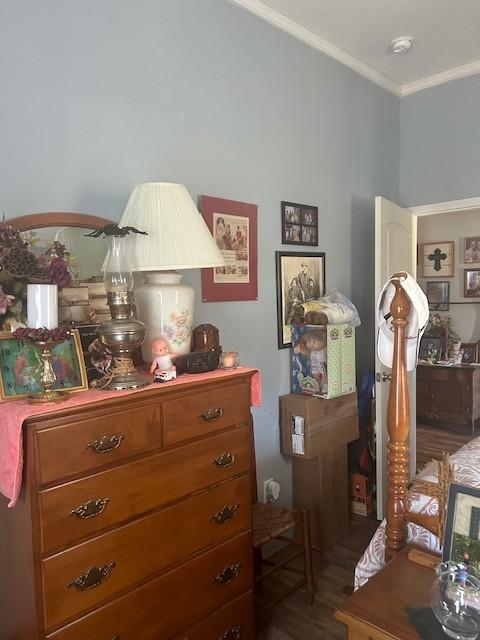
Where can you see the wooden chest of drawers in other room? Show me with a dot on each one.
(448, 394)
(134, 521)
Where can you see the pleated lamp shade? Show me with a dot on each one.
(178, 238)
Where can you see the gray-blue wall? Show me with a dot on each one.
(440, 143)
(97, 96)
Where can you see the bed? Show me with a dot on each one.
(410, 516)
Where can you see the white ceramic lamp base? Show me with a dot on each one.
(165, 305)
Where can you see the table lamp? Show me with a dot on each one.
(178, 238)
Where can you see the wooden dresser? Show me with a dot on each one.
(134, 521)
(448, 394)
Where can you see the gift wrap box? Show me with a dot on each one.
(337, 341)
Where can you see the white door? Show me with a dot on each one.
(395, 250)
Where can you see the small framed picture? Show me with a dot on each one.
(437, 259)
(438, 294)
(431, 348)
(300, 277)
(471, 283)
(20, 367)
(299, 224)
(470, 352)
(472, 250)
(462, 528)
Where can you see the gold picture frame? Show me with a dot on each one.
(20, 367)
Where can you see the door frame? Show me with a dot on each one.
(449, 206)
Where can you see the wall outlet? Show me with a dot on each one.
(271, 490)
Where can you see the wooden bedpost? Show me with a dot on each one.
(398, 423)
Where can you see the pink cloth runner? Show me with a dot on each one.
(13, 413)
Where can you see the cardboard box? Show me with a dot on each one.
(361, 494)
(311, 426)
(323, 360)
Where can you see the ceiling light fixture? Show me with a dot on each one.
(402, 44)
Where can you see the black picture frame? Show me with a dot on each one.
(438, 294)
(289, 267)
(470, 352)
(461, 502)
(431, 347)
(299, 224)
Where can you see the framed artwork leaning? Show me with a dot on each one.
(470, 352)
(431, 348)
(299, 224)
(438, 294)
(20, 367)
(438, 259)
(233, 225)
(462, 528)
(300, 277)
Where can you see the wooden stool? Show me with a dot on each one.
(270, 522)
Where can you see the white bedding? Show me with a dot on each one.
(466, 470)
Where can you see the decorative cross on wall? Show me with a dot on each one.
(436, 257)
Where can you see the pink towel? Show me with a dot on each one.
(13, 413)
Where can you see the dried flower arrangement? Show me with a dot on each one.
(19, 265)
(442, 326)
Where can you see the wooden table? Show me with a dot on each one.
(377, 611)
(448, 395)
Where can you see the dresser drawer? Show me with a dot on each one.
(165, 606)
(88, 443)
(142, 548)
(83, 507)
(234, 621)
(195, 414)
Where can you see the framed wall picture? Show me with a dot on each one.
(471, 283)
(20, 367)
(299, 224)
(472, 250)
(300, 277)
(462, 527)
(438, 294)
(470, 352)
(234, 227)
(437, 259)
(431, 348)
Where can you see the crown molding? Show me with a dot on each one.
(280, 21)
(462, 71)
(311, 39)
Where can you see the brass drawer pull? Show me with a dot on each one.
(225, 460)
(105, 444)
(212, 414)
(234, 633)
(92, 578)
(227, 513)
(90, 509)
(228, 574)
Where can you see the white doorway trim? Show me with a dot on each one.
(446, 207)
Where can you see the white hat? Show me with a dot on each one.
(417, 321)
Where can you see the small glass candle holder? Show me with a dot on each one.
(228, 360)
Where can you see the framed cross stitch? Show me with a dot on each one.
(437, 259)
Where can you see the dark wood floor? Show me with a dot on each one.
(293, 618)
(433, 441)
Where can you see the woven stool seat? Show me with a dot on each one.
(270, 521)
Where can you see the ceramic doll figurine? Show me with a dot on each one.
(162, 364)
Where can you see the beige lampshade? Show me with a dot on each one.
(178, 237)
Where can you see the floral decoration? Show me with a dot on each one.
(19, 265)
(177, 331)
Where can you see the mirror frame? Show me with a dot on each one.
(57, 219)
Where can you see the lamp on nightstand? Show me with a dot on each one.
(178, 238)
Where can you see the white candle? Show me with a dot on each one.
(42, 306)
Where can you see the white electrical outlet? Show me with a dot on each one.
(271, 490)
